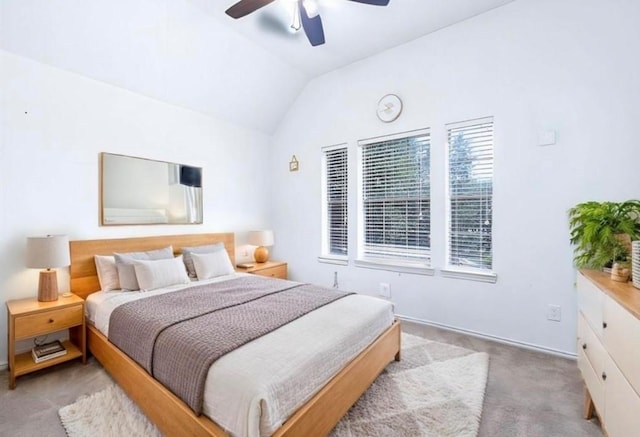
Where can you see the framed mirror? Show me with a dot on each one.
(138, 191)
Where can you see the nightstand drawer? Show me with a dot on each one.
(274, 272)
(48, 321)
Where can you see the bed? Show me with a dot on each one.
(317, 416)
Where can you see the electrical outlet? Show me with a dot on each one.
(385, 289)
(554, 313)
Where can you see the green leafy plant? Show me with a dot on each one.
(601, 231)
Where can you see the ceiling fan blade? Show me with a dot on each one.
(373, 2)
(245, 7)
(312, 27)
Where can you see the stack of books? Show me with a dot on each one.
(48, 351)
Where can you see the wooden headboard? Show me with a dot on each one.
(84, 278)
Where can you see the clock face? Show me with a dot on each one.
(389, 108)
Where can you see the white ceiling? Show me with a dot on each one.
(191, 54)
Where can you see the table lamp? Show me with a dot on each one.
(261, 239)
(48, 253)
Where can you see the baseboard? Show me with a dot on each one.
(503, 340)
(4, 366)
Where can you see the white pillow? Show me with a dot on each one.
(107, 272)
(211, 265)
(124, 265)
(187, 251)
(152, 274)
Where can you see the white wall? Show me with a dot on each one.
(565, 65)
(54, 124)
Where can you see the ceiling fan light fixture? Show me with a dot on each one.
(295, 17)
(311, 6)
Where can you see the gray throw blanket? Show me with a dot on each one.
(177, 336)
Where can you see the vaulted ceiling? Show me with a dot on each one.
(190, 53)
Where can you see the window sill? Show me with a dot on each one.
(471, 275)
(333, 259)
(418, 269)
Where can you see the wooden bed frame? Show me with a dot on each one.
(170, 414)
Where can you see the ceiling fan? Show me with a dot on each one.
(305, 14)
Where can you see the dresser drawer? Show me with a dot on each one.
(593, 381)
(590, 345)
(591, 361)
(622, 415)
(48, 321)
(622, 340)
(591, 303)
(274, 272)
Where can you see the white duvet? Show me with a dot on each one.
(254, 389)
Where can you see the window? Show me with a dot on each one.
(394, 200)
(335, 216)
(470, 194)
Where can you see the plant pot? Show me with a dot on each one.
(625, 240)
(619, 273)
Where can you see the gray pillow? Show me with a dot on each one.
(126, 271)
(187, 251)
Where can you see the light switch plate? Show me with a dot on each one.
(546, 138)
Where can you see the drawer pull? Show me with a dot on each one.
(604, 376)
(604, 325)
(51, 320)
(584, 346)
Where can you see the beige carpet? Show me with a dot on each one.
(435, 391)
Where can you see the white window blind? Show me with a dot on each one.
(395, 198)
(335, 201)
(470, 193)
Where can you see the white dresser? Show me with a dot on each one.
(609, 351)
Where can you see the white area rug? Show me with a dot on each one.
(436, 390)
(107, 413)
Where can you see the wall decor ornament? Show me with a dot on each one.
(389, 108)
(294, 165)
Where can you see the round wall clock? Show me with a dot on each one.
(389, 108)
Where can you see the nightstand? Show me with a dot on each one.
(274, 269)
(29, 318)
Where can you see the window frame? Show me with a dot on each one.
(400, 264)
(467, 272)
(325, 249)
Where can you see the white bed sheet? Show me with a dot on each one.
(251, 391)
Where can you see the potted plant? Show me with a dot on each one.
(602, 234)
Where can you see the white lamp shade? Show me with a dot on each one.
(48, 252)
(261, 238)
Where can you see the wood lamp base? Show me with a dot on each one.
(48, 286)
(261, 254)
